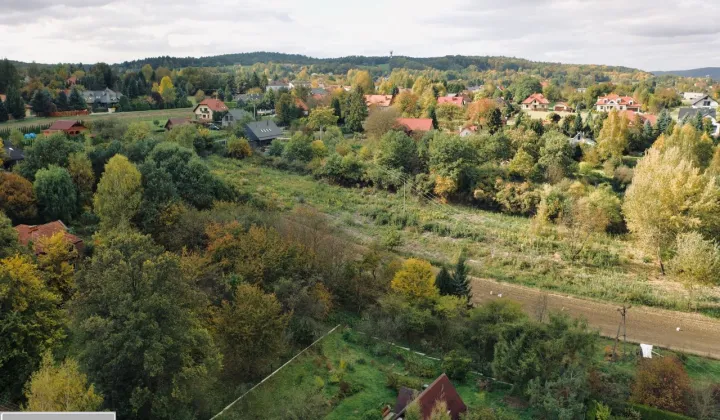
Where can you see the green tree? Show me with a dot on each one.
(60, 388)
(3, 112)
(444, 282)
(56, 263)
(238, 148)
(556, 156)
(14, 103)
(668, 196)
(298, 148)
(561, 398)
(357, 111)
(139, 331)
(250, 331)
(83, 177)
(55, 193)
(76, 101)
(61, 102)
(397, 151)
(285, 109)
(321, 118)
(118, 194)
(460, 281)
(45, 151)
(495, 123)
(9, 76)
(30, 320)
(614, 136)
(578, 126)
(8, 237)
(524, 87)
(42, 103)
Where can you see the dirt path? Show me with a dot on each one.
(698, 334)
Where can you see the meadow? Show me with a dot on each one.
(498, 246)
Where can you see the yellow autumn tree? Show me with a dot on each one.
(694, 145)
(614, 136)
(415, 279)
(167, 90)
(56, 264)
(363, 80)
(119, 192)
(61, 388)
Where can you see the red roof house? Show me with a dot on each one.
(69, 127)
(632, 115)
(535, 102)
(302, 106)
(204, 110)
(379, 101)
(31, 234)
(618, 103)
(440, 390)
(453, 100)
(562, 107)
(416, 124)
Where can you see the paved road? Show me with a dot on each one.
(698, 334)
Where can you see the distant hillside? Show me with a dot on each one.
(450, 62)
(713, 72)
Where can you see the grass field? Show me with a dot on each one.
(498, 246)
(157, 114)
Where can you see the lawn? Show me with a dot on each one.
(157, 114)
(344, 377)
(498, 246)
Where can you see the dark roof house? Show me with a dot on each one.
(691, 112)
(28, 234)
(248, 97)
(13, 155)
(107, 97)
(235, 115)
(440, 390)
(262, 131)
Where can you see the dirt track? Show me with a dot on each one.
(698, 334)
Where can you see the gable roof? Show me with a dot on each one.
(704, 98)
(620, 100)
(63, 125)
(301, 104)
(318, 91)
(631, 115)
(440, 390)
(378, 100)
(244, 97)
(691, 112)
(12, 152)
(174, 122)
(33, 233)
(238, 113)
(454, 100)
(539, 97)
(215, 105)
(263, 130)
(416, 124)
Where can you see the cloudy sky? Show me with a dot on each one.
(647, 34)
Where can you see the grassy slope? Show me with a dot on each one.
(498, 246)
(157, 114)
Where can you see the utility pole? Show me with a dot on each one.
(404, 185)
(622, 324)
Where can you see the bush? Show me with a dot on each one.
(238, 148)
(456, 365)
(276, 148)
(662, 383)
(397, 381)
(419, 366)
(650, 413)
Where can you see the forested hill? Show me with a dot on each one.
(342, 64)
(712, 72)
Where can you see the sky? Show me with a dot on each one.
(645, 34)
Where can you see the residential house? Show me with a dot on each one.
(475, 88)
(456, 100)
(262, 132)
(535, 102)
(581, 90)
(632, 116)
(319, 92)
(246, 98)
(705, 102)
(71, 81)
(378, 101)
(440, 390)
(235, 115)
(276, 86)
(107, 98)
(302, 106)
(298, 83)
(69, 127)
(31, 235)
(562, 107)
(468, 131)
(205, 109)
(692, 96)
(688, 114)
(617, 102)
(415, 125)
(580, 140)
(176, 122)
(13, 155)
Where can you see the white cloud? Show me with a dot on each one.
(648, 34)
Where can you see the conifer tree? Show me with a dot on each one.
(444, 282)
(357, 111)
(14, 103)
(76, 101)
(3, 112)
(461, 283)
(578, 124)
(663, 122)
(61, 102)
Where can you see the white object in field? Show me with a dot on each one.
(491, 292)
(499, 294)
(646, 350)
(677, 329)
